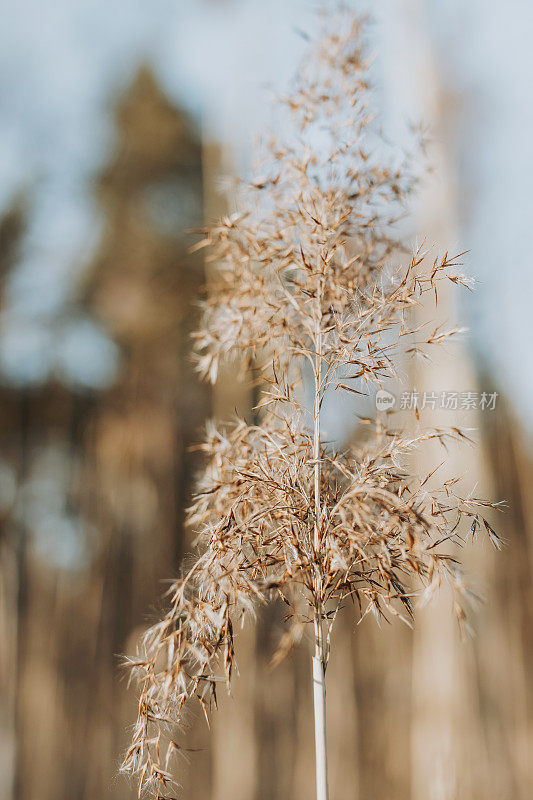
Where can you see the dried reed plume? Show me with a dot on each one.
(306, 295)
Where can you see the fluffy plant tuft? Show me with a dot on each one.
(313, 290)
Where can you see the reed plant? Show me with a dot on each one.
(314, 294)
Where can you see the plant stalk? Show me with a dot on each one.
(319, 677)
(319, 692)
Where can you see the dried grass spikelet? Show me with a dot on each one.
(304, 292)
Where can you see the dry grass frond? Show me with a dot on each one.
(305, 287)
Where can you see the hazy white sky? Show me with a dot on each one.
(60, 67)
(61, 64)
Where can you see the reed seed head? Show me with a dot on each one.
(314, 291)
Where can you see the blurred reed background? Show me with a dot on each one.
(117, 126)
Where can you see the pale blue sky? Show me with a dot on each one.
(61, 65)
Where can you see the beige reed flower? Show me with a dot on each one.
(315, 293)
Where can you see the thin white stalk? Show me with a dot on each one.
(319, 678)
(316, 444)
(319, 692)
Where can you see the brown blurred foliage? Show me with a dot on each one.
(125, 474)
(127, 462)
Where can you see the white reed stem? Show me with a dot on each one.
(319, 678)
(319, 686)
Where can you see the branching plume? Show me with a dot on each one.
(315, 293)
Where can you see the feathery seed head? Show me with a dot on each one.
(304, 292)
